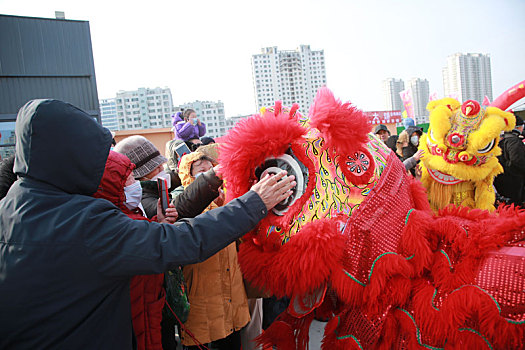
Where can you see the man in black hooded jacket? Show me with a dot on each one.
(511, 184)
(66, 258)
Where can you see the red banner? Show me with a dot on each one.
(384, 117)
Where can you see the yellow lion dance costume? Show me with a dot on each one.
(461, 147)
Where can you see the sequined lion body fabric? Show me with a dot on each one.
(358, 244)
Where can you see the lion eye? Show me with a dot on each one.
(488, 147)
(432, 138)
(292, 166)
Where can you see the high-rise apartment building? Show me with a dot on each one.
(420, 97)
(235, 119)
(232, 121)
(7, 138)
(468, 76)
(108, 113)
(289, 76)
(144, 108)
(391, 89)
(212, 114)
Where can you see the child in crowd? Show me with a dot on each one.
(187, 126)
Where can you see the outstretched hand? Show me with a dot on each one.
(272, 191)
(419, 154)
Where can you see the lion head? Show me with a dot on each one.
(461, 147)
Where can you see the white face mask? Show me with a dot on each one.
(415, 140)
(198, 174)
(133, 194)
(163, 175)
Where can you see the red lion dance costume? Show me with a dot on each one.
(359, 243)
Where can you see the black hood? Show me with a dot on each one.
(61, 145)
(392, 142)
(411, 129)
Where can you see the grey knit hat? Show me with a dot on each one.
(142, 153)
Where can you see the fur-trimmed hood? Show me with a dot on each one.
(185, 166)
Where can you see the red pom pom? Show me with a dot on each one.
(470, 108)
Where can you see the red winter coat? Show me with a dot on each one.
(146, 291)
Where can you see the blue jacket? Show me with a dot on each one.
(66, 258)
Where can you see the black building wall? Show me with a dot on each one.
(46, 58)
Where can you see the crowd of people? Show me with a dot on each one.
(85, 245)
(405, 145)
(88, 255)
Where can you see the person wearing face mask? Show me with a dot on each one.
(147, 293)
(218, 302)
(187, 126)
(407, 147)
(192, 200)
(149, 167)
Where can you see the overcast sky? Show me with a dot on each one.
(202, 49)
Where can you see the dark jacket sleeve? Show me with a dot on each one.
(409, 151)
(409, 163)
(198, 195)
(515, 153)
(120, 246)
(150, 206)
(175, 179)
(150, 198)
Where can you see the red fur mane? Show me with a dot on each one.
(252, 141)
(343, 125)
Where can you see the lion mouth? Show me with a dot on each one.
(443, 178)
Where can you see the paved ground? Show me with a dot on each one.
(316, 334)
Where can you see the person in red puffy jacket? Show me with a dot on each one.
(146, 291)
